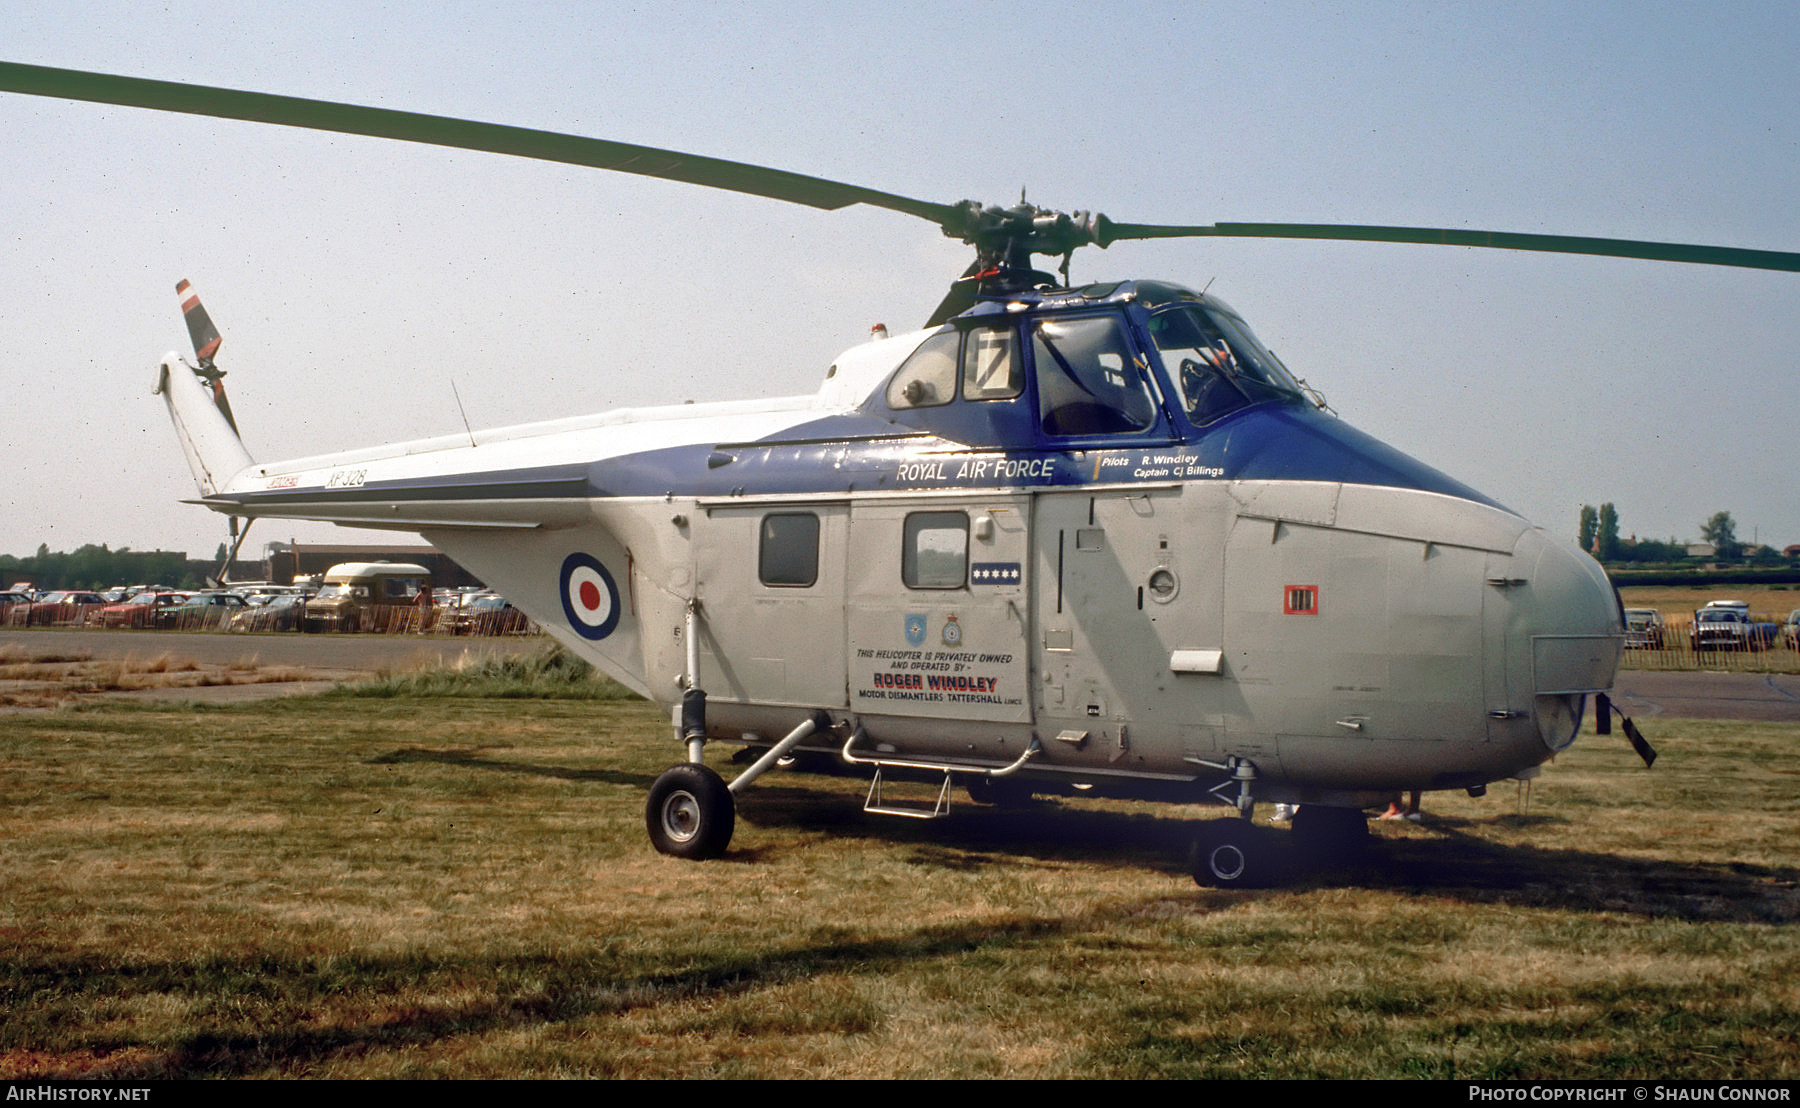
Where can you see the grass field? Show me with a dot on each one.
(418, 884)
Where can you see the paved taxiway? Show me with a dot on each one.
(330, 653)
(312, 663)
(1643, 694)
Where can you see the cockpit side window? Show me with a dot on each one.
(1216, 363)
(928, 377)
(1089, 381)
(991, 365)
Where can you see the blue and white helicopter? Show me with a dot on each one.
(1091, 541)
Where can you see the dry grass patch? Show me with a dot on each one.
(422, 885)
(51, 680)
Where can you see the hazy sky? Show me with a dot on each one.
(355, 280)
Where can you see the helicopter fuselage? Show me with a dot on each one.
(1103, 525)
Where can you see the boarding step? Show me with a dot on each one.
(877, 804)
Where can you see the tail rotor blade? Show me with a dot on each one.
(206, 345)
(199, 324)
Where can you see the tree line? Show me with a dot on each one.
(95, 567)
(1598, 534)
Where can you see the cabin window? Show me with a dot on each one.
(936, 555)
(788, 555)
(928, 377)
(1089, 381)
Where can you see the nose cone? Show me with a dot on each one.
(1564, 637)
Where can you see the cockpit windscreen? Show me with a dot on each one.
(1216, 362)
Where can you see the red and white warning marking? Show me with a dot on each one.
(200, 325)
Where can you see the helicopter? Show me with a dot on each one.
(1083, 540)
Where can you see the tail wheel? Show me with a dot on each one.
(690, 813)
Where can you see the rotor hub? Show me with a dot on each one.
(1005, 239)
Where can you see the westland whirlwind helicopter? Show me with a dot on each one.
(1088, 541)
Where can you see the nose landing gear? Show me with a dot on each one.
(1233, 854)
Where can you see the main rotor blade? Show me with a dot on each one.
(1450, 236)
(966, 220)
(351, 119)
(959, 299)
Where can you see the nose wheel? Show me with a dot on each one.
(1233, 854)
(690, 813)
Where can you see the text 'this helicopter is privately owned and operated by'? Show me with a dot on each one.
(1093, 541)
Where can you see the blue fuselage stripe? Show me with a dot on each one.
(1271, 442)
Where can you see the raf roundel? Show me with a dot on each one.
(589, 598)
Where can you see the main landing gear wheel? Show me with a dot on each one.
(1233, 854)
(690, 813)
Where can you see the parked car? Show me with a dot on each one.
(1726, 625)
(64, 608)
(149, 608)
(1643, 629)
(259, 592)
(1790, 631)
(204, 611)
(483, 614)
(10, 598)
(275, 613)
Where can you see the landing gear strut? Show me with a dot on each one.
(1234, 853)
(691, 813)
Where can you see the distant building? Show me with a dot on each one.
(1702, 550)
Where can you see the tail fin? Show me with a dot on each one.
(203, 421)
